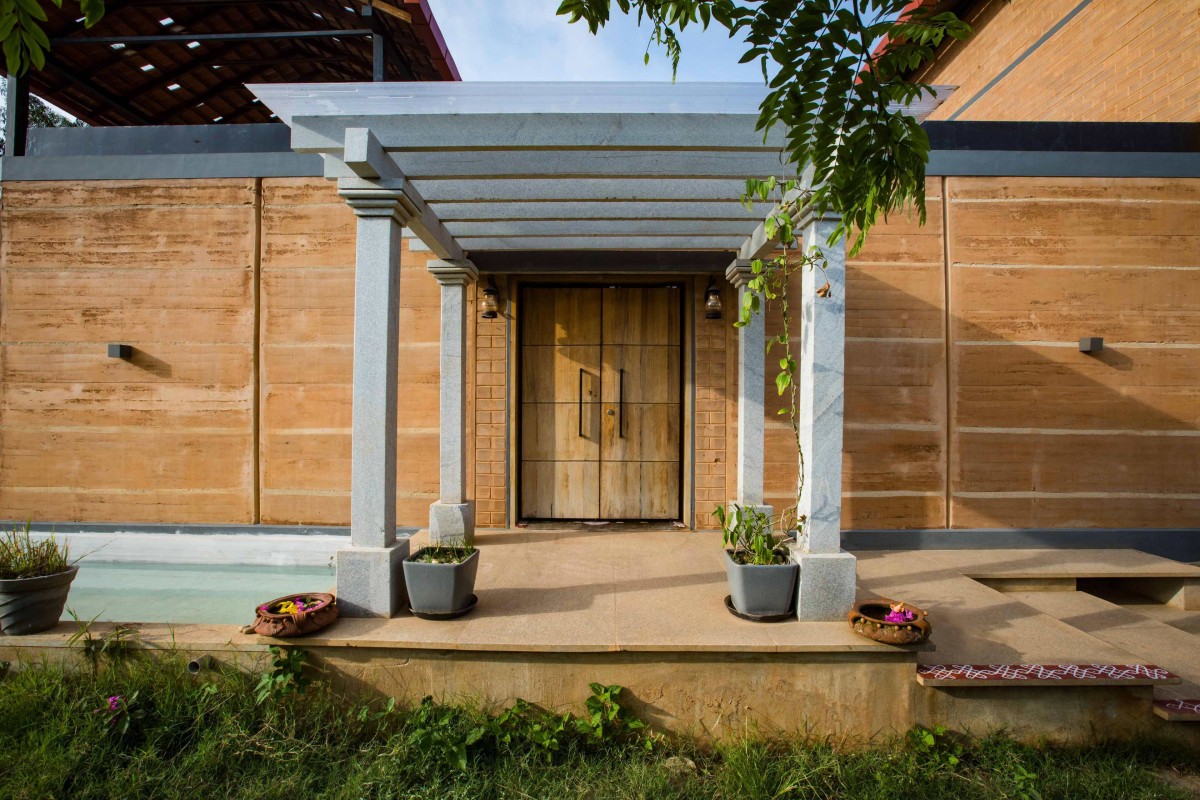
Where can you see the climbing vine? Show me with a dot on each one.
(837, 74)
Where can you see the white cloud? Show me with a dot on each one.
(524, 40)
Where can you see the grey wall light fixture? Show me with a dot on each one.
(712, 301)
(490, 304)
(122, 351)
(1091, 344)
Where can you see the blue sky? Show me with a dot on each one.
(523, 40)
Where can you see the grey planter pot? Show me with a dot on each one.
(30, 605)
(440, 588)
(762, 591)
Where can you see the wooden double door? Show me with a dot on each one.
(600, 402)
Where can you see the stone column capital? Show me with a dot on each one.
(739, 272)
(379, 202)
(809, 216)
(454, 273)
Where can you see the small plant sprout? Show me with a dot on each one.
(285, 677)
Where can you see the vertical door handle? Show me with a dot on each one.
(621, 404)
(581, 401)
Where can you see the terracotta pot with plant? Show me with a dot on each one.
(758, 565)
(441, 580)
(35, 577)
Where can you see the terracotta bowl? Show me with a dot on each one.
(868, 618)
(320, 610)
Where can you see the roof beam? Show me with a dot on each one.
(539, 131)
(728, 243)
(552, 210)
(372, 170)
(758, 244)
(487, 190)
(658, 164)
(210, 37)
(596, 227)
(607, 262)
(112, 101)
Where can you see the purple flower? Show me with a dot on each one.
(114, 702)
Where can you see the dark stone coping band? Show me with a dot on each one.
(189, 529)
(1016, 149)
(1079, 137)
(161, 167)
(1180, 544)
(948, 163)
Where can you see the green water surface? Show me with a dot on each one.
(186, 593)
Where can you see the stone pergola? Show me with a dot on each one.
(477, 170)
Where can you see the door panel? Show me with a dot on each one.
(561, 316)
(651, 432)
(639, 374)
(639, 489)
(641, 315)
(600, 403)
(554, 432)
(560, 489)
(560, 374)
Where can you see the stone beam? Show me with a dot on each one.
(759, 245)
(557, 131)
(570, 164)
(685, 242)
(362, 165)
(567, 210)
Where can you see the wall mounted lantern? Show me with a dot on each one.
(490, 304)
(122, 351)
(1091, 344)
(712, 301)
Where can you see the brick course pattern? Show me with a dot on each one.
(491, 427)
(716, 406)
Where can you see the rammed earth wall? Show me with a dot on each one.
(968, 403)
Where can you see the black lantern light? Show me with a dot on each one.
(490, 304)
(712, 301)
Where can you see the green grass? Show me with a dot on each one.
(22, 557)
(208, 736)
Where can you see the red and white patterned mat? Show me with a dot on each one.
(1188, 707)
(1043, 672)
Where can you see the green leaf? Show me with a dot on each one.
(33, 8)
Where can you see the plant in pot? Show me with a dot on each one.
(758, 565)
(35, 577)
(441, 580)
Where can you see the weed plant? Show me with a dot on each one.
(143, 727)
(22, 557)
(746, 532)
(454, 552)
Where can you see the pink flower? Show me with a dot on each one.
(114, 702)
